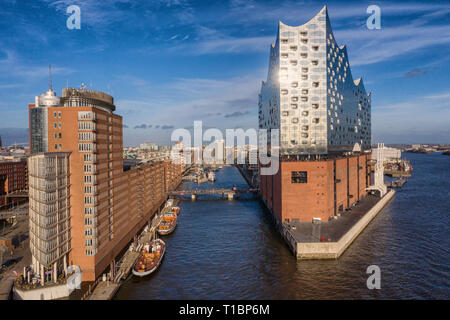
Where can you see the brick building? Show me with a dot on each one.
(304, 190)
(13, 177)
(84, 207)
(324, 119)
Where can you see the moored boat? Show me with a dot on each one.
(150, 258)
(168, 223)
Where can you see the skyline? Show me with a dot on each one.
(208, 60)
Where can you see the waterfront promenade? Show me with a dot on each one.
(105, 290)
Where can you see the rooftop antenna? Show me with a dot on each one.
(50, 87)
(67, 83)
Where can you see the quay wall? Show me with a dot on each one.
(44, 293)
(333, 250)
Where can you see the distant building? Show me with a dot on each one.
(416, 146)
(389, 154)
(252, 155)
(149, 146)
(219, 151)
(13, 177)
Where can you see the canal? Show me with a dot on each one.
(230, 249)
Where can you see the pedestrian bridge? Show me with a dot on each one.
(225, 193)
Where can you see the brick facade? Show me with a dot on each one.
(330, 186)
(124, 200)
(13, 177)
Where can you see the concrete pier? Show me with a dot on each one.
(306, 241)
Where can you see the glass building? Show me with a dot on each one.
(310, 94)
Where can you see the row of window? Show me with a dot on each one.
(91, 252)
(90, 200)
(89, 168)
(86, 147)
(90, 189)
(90, 179)
(86, 115)
(91, 242)
(86, 136)
(85, 125)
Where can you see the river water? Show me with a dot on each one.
(230, 249)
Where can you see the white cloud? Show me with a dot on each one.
(424, 119)
(13, 68)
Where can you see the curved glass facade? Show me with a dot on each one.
(310, 94)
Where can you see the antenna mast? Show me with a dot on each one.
(50, 87)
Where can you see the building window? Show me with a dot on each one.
(299, 177)
(54, 114)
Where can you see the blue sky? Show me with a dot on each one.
(168, 63)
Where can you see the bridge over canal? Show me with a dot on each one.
(229, 194)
